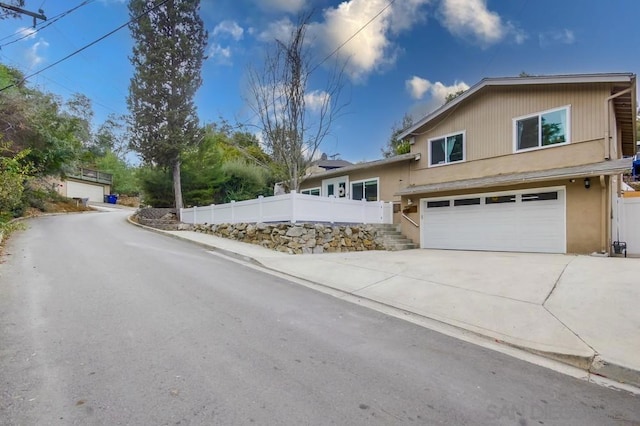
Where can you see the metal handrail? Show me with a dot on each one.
(410, 220)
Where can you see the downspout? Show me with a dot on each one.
(605, 215)
(607, 127)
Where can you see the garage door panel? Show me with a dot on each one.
(535, 226)
(85, 190)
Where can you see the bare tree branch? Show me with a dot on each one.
(293, 129)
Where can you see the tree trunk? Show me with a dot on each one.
(294, 181)
(177, 187)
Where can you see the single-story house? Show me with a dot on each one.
(374, 181)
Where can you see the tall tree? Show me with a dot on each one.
(397, 146)
(167, 56)
(293, 119)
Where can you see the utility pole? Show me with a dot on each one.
(38, 15)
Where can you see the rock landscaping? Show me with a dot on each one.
(297, 238)
(158, 218)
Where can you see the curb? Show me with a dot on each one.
(602, 367)
(206, 246)
(592, 365)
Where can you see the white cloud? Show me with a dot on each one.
(564, 36)
(316, 100)
(439, 91)
(278, 30)
(27, 32)
(220, 55)
(289, 6)
(420, 88)
(228, 28)
(471, 18)
(375, 22)
(33, 55)
(417, 86)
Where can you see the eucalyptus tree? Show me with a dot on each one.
(167, 57)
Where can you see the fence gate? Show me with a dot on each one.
(629, 214)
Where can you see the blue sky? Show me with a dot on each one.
(404, 61)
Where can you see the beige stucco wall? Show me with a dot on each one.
(584, 212)
(392, 178)
(542, 159)
(487, 120)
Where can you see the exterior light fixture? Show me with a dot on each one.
(587, 183)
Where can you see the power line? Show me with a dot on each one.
(72, 91)
(50, 22)
(35, 15)
(336, 50)
(53, 18)
(88, 45)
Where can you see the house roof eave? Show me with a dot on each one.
(519, 81)
(361, 166)
(611, 167)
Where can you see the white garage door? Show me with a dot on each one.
(528, 221)
(85, 190)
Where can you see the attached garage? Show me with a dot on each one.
(532, 220)
(94, 192)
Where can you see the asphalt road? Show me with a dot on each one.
(103, 323)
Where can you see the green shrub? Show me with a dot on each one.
(157, 186)
(13, 176)
(243, 182)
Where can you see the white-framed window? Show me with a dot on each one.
(367, 189)
(311, 191)
(447, 149)
(542, 130)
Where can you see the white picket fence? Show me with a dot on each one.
(292, 207)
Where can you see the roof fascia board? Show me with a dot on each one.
(521, 81)
(360, 166)
(613, 168)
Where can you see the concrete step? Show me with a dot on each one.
(398, 247)
(392, 238)
(389, 233)
(387, 226)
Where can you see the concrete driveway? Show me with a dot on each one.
(581, 310)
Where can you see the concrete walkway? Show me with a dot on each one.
(581, 310)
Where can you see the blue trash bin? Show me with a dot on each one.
(112, 199)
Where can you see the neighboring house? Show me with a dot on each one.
(324, 164)
(86, 183)
(373, 181)
(527, 164)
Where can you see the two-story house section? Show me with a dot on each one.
(527, 164)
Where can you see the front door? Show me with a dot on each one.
(337, 187)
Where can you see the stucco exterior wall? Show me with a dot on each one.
(542, 159)
(392, 178)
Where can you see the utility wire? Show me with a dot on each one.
(336, 50)
(44, 25)
(87, 45)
